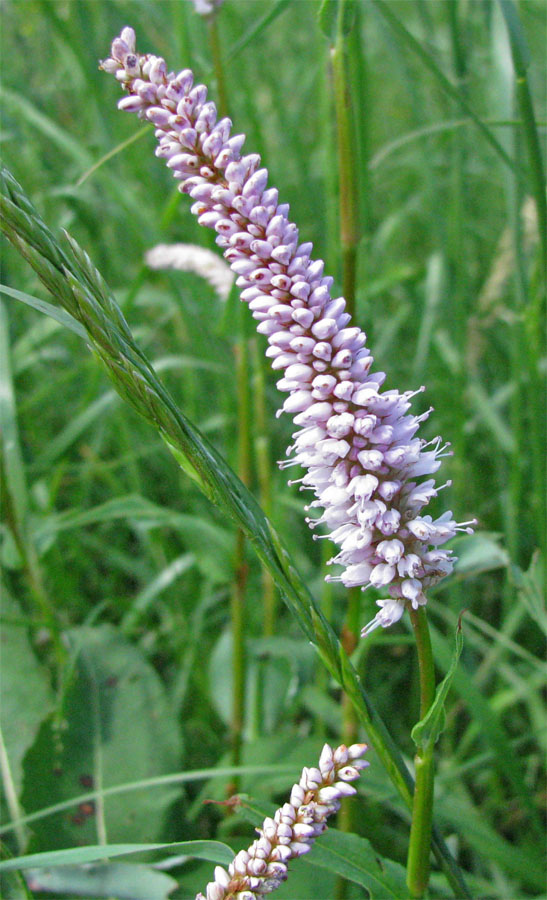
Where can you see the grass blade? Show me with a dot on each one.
(429, 62)
(80, 289)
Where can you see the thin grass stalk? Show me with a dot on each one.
(429, 62)
(216, 55)
(529, 336)
(419, 848)
(519, 54)
(243, 468)
(78, 287)
(347, 162)
(519, 352)
(13, 495)
(10, 794)
(261, 443)
(239, 586)
(348, 194)
(456, 251)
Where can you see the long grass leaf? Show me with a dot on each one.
(213, 851)
(142, 785)
(60, 316)
(80, 288)
(47, 127)
(257, 28)
(521, 62)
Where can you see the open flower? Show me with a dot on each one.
(357, 442)
(293, 829)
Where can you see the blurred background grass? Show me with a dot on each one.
(123, 548)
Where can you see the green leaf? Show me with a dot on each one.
(48, 127)
(426, 732)
(328, 17)
(481, 552)
(12, 884)
(116, 718)
(72, 432)
(429, 62)
(13, 887)
(120, 880)
(355, 859)
(24, 701)
(213, 851)
(519, 46)
(10, 449)
(258, 27)
(42, 306)
(269, 682)
(210, 544)
(531, 589)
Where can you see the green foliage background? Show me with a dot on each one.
(115, 619)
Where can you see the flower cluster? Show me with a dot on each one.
(357, 442)
(192, 258)
(206, 7)
(293, 829)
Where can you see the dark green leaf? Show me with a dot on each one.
(120, 880)
(355, 859)
(118, 726)
(426, 732)
(24, 702)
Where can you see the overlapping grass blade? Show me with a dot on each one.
(79, 288)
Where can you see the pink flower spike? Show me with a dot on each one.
(365, 471)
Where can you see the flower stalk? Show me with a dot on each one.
(419, 849)
(348, 198)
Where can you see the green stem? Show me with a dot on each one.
(237, 601)
(347, 163)
(263, 472)
(214, 43)
(419, 849)
(239, 587)
(237, 615)
(346, 142)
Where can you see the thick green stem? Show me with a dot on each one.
(419, 849)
